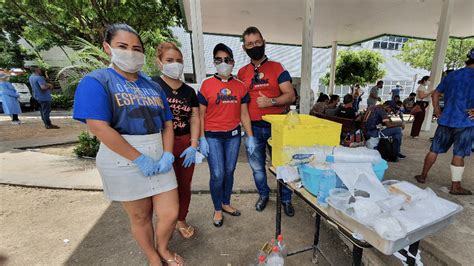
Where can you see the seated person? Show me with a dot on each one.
(320, 105)
(346, 110)
(332, 105)
(409, 103)
(379, 117)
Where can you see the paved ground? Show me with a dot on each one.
(36, 221)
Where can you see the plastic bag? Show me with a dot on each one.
(420, 213)
(287, 173)
(356, 155)
(372, 143)
(393, 203)
(389, 228)
(365, 211)
(360, 176)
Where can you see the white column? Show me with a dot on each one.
(332, 74)
(197, 41)
(439, 55)
(307, 56)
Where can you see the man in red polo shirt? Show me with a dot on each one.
(270, 92)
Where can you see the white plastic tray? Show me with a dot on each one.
(386, 246)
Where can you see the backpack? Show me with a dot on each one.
(387, 148)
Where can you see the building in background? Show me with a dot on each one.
(290, 57)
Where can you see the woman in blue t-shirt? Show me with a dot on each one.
(130, 115)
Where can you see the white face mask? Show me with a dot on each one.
(126, 60)
(427, 83)
(173, 70)
(224, 69)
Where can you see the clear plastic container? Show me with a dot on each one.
(261, 261)
(282, 246)
(275, 259)
(339, 198)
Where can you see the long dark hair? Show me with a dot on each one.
(423, 79)
(112, 30)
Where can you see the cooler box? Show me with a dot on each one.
(311, 131)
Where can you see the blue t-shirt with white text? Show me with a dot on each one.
(131, 108)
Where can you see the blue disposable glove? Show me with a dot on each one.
(165, 163)
(146, 165)
(189, 156)
(250, 144)
(203, 146)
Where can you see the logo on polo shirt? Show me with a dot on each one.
(225, 96)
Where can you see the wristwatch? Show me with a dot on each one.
(273, 101)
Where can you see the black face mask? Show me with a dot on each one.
(256, 53)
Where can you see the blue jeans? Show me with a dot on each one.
(45, 110)
(222, 159)
(257, 162)
(394, 132)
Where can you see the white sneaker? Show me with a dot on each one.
(16, 122)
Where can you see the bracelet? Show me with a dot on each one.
(195, 140)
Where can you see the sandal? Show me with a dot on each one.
(186, 233)
(420, 179)
(462, 192)
(175, 260)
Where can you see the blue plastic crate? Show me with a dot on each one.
(311, 177)
(380, 168)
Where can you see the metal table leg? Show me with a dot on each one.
(413, 250)
(317, 227)
(357, 255)
(278, 210)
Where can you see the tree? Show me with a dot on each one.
(419, 54)
(362, 66)
(48, 23)
(58, 22)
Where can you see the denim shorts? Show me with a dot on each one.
(460, 138)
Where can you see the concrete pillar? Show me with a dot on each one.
(332, 74)
(439, 55)
(307, 56)
(197, 41)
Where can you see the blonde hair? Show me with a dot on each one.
(165, 46)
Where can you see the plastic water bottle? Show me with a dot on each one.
(275, 259)
(259, 255)
(261, 261)
(292, 118)
(281, 244)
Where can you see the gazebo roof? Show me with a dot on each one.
(345, 21)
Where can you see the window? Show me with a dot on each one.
(390, 42)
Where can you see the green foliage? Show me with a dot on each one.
(56, 23)
(152, 38)
(20, 79)
(61, 101)
(11, 53)
(88, 145)
(90, 57)
(362, 66)
(419, 54)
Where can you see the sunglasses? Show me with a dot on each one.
(219, 60)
